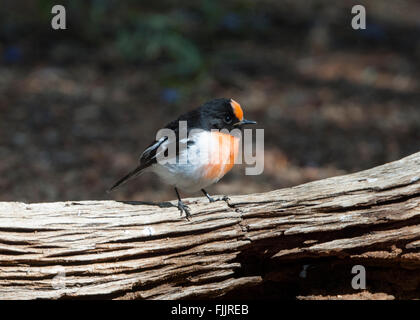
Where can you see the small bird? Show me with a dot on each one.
(202, 157)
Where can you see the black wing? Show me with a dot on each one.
(149, 155)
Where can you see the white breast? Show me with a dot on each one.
(188, 172)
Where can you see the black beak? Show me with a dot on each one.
(244, 121)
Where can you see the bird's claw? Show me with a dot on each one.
(224, 198)
(184, 208)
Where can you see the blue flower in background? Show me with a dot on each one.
(12, 54)
(170, 95)
(231, 21)
(374, 31)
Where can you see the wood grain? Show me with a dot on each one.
(259, 243)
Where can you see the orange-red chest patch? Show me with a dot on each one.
(223, 152)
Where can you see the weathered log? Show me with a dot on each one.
(295, 242)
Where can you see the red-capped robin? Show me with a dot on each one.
(207, 155)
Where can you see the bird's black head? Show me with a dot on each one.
(222, 114)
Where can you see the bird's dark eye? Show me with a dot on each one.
(228, 119)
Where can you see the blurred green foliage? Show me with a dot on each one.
(173, 35)
(156, 36)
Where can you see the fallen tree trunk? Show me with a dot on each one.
(296, 242)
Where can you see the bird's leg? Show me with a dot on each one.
(211, 199)
(183, 207)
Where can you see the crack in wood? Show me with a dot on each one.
(258, 242)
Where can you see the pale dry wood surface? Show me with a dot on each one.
(257, 246)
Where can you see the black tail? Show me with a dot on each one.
(129, 176)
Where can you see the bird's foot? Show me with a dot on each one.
(224, 198)
(184, 208)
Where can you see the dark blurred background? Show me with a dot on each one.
(77, 106)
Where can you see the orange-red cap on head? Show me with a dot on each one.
(237, 110)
